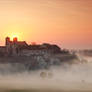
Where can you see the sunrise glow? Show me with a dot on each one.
(13, 36)
(67, 23)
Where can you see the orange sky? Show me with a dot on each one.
(67, 23)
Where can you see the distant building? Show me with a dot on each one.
(21, 48)
(14, 47)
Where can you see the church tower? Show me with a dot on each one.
(15, 46)
(8, 46)
(15, 39)
(7, 40)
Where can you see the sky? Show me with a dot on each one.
(67, 23)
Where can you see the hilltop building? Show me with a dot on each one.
(21, 48)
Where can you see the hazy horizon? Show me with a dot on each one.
(67, 23)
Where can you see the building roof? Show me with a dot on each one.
(22, 43)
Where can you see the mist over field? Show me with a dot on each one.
(64, 78)
(45, 46)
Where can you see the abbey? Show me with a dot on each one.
(21, 48)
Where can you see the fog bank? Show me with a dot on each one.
(66, 77)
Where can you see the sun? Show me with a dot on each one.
(13, 36)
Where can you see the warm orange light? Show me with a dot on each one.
(15, 35)
(14, 31)
(15, 39)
